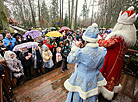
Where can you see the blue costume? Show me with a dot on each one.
(83, 83)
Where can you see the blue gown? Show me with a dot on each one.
(84, 82)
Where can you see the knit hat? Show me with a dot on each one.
(44, 47)
(1, 35)
(128, 17)
(91, 33)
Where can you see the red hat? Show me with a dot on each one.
(127, 17)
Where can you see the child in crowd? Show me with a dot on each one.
(47, 58)
(15, 66)
(40, 40)
(65, 51)
(29, 39)
(54, 52)
(61, 44)
(58, 57)
(26, 61)
(46, 41)
(36, 54)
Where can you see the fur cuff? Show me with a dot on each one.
(117, 88)
(106, 93)
(74, 48)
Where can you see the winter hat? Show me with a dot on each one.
(15, 31)
(91, 33)
(7, 56)
(128, 17)
(44, 47)
(1, 35)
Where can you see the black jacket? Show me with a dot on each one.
(23, 60)
(2, 51)
(65, 51)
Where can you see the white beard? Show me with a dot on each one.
(127, 32)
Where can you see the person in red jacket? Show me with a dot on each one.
(117, 43)
(46, 41)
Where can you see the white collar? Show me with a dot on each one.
(92, 45)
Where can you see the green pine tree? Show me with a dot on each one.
(45, 13)
(54, 11)
(66, 20)
(3, 17)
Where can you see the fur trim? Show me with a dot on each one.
(127, 32)
(95, 25)
(106, 93)
(89, 39)
(117, 88)
(131, 8)
(102, 82)
(92, 44)
(74, 48)
(83, 95)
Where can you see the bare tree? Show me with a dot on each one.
(72, 15)
(92, 12)
(62, 9)
(39, 12)
(69, 11)
(76, 14)
(32, 13)
(60, 13)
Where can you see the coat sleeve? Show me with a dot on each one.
(44, 41)
(50, 53)
(20, 65)
(21, 58)
(102, 60)
(11, 67)
(64, 55)
(75, 55)
(57, 59)
(5, 43)
(13, 42)
(110, 43)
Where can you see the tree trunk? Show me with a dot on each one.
(72, 15)
(60, 13)
(69, 11)
(33, 18)
(3, 18)
(92, 12)
(76, 14)
(39, 14)
(24, 19)
(62, 10)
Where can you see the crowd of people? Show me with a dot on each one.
(50, 52)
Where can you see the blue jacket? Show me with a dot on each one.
(6, 42)
(87, 77)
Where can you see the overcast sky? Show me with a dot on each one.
(80, 4)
